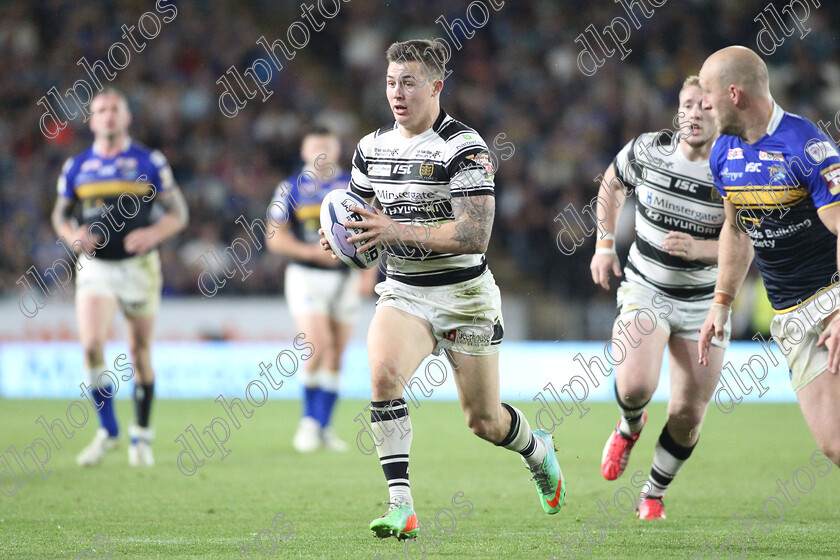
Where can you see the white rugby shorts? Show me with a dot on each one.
(315, 291)
(678, 318)
(797, 331)
(135, 282)
(465, 317)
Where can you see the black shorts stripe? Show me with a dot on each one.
(444, 278)
(662, 257)
(685, 294)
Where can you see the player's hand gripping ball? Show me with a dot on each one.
(335, 210)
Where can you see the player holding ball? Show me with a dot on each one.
(433, 180)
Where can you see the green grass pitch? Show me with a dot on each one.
(330, 498)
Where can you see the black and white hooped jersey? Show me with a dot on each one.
(672, 194)
(415, 180)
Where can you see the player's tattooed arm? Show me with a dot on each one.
(174, 204)
(62, 215)
(467, 233)
(473, 222)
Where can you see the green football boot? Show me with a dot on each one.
(399, 521)
(551, 486)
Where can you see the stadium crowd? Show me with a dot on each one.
(517, 75)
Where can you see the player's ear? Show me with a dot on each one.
(437, 88)
(735, 94)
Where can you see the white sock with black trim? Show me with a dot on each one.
(522, 440)
(390, 423)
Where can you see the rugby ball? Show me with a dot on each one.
(335, 210)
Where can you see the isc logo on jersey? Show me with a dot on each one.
(753, 167)
(684, 185)
(385, 169)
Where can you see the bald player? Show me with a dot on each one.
(780, 179)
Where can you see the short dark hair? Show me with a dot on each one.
(111, 91)
(428, 52)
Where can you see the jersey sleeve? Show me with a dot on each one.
(823, 182)
(359, 181)
(165, 180)
(280, 207)
(624, 167)
(66, 179)
(469, 166)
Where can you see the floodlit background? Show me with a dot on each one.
(516, 80)
(516, 76)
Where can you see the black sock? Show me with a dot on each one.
(143, 396)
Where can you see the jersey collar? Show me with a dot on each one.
(439, 122)
(124, 149)
(775, 118)
(436, 126)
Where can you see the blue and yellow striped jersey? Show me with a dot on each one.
(778, 185)
(125, 185)
(299, 204)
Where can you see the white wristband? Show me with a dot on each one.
(605, 251)
(608, 235)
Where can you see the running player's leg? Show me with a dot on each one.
(477, 380)
(818, 401)
(140, 331)
(344, 305)
(317, 329)
(308, 293)
(139, 296)
(397, 343)
(94, 315)
(636, 379)
(329, 381)
(817, 390)
(692, 387)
